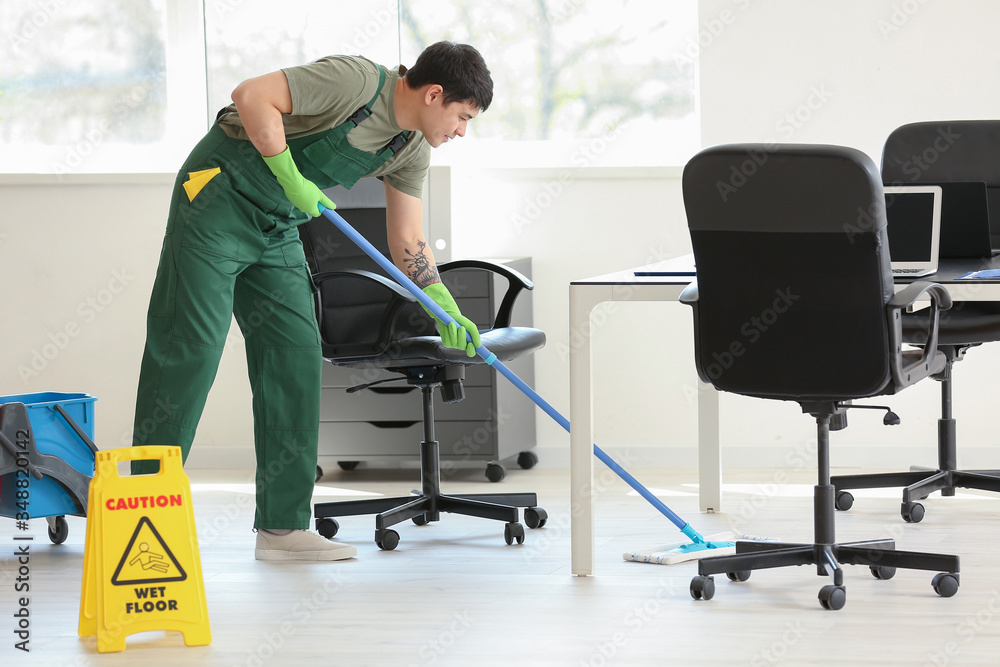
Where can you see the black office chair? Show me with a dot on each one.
(936, 152)
(367, 321)
(794, 301)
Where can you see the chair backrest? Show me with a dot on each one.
(961, 150)
(355, 314)
(793, 271)
(946, 151)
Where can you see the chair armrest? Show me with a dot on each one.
(689, 295)
(319, 278)
(516, 281)
(912, 293)
(924, 366)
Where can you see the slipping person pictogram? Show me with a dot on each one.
(149, 560)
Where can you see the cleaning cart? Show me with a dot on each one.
(46, 458)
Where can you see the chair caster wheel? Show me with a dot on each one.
(535, 517)
(832, 597)
(527, 460)
(513, 531)
(348, 465)
(882, 571)
(58, 529)
(912, 512)
(495, 472)
(319, 474)
(327, 527)
(740, 575)
(845, 501)
(703, 587)
(420, 520)
(386, 539)
(945, 584)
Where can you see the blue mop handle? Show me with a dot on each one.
(492, 360)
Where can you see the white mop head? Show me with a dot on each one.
(720, 544)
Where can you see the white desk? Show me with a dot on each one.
(584, 298)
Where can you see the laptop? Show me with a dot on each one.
(913, 217)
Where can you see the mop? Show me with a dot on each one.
(699, 546)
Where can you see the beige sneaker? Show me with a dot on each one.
(300, 545)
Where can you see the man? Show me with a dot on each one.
(232, 248)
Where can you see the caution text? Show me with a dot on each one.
(143, 502)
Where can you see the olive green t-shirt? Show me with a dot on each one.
(327, 92)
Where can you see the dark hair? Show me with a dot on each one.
(458, 68)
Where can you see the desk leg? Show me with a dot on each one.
(582, 300)
(709, 450)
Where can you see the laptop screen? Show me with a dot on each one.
(965, 222)
(910, 220)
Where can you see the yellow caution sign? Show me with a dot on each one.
(141, 569)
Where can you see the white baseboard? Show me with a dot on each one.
(880, 456)
(888, 457)
(242, 456)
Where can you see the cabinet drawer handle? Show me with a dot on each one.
(393, 424)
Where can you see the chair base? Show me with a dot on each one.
(919, 483)
(879, 555)
(427, 506)
(423, 509)
(825, 552)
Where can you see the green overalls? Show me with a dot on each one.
(232, 248)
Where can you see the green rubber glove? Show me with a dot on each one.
(302, 192)
(451, 335)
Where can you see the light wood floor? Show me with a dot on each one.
(453, 593)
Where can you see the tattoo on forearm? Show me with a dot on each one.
(419, 267)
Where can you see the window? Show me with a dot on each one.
(130, 85)
(575, 83)
(86, 86)
(249, 38)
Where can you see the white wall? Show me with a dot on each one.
(770, 70)
(62, 242)
(845, 72)
(583, 222)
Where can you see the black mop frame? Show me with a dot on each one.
(492, 360)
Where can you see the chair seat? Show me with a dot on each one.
(506, 343)
(966, 323)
